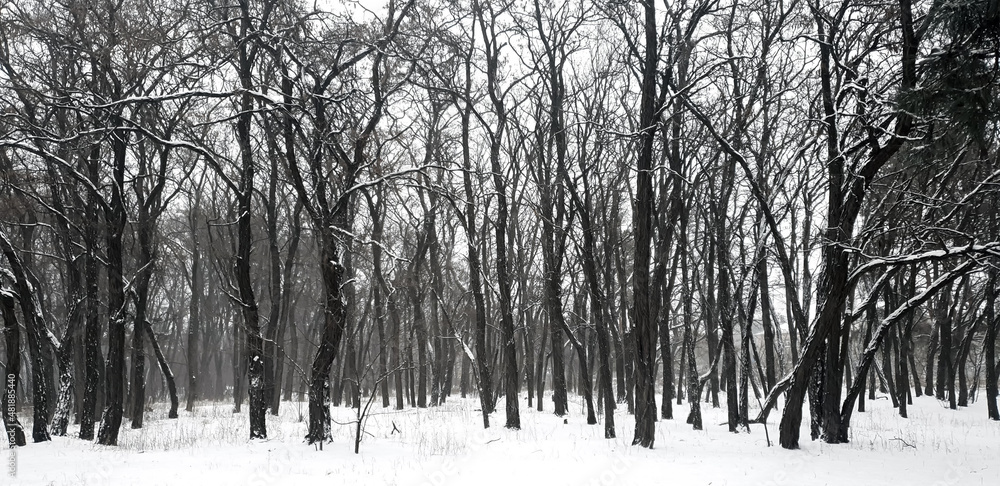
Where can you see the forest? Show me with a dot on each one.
(775, 208)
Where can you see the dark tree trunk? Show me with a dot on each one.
(990, 343)
(726, 313)
(902, 383)
(293, 357)
(239, 363)
(64, 360)
(540, 364)
(116, 219)
(944, 356)
(693, 381)
(12, 343)
(527, 338)
(439, 350)
(34, 325)
(585, 380)
(148, 189)
(377, 213)
(712, 311)
(68, 350)
(92, 332)
(354, 321)
(285, 317)
(597, 301)
(146, 260)
(420, 330)
(194, 308)
(463, 380)
(554, 305)
(963, 357)
(244, 284)
(913, 364)
(645, 330)
(395, 361)
(932, 348)
(746, 345)
(508, 343)
(475, 263)
(275, 288)
(137, 390)
(334, 326)
(765, 323)
(666, 352)
(863, 375)
(168, 375)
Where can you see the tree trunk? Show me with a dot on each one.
(726, 314)
(645, 326)
(168, 375)
(35, 327)
(765, 323)
(540, 364)
(932, 347)
(285, 317)
(334, 326)
(146, 260)
(944, 356)
(378, 221)
(712, 311)
(137, 390)
(420, 330)
(693, 380)
(556, 324)
(275, 287)
(990, 343)
(475, 264)
(64, 360)
(92, 332)
(12, 343)
(194, 309)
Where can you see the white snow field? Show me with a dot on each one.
(447, 445)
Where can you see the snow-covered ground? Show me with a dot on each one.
(447, 445)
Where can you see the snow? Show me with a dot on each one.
(447, 446)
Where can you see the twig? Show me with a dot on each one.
(905, 443)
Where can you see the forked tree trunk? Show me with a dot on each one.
(34, 325)
(334, 326)
(486, 399)
(168, 375)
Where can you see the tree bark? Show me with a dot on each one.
(194, 308)
(92, 333)
(645, 328)
(12, 343)
(486, 399)
(35, 327)
(168, 375)
(990, 343)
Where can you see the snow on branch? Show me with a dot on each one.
(991, 249)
